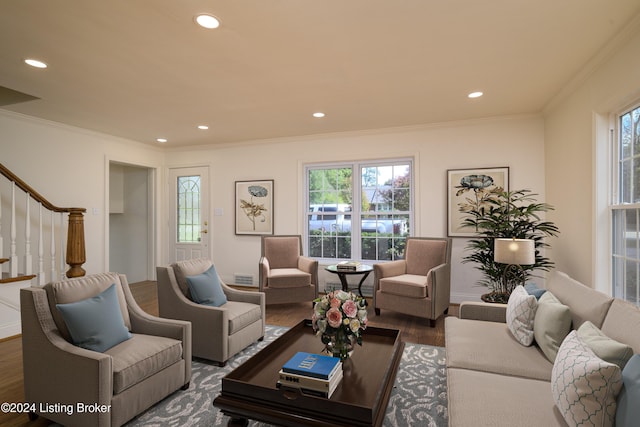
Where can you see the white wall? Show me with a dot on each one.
(69, 166)
(516, 142)
(572, 139)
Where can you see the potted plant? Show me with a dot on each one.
(506, 214)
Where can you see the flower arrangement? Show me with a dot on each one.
(339, 318)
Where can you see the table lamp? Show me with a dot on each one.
(514, 253)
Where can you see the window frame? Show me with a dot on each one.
(356, 195)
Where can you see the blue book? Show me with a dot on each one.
(312, 365)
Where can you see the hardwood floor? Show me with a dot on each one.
(413, 329)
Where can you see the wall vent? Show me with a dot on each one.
(243, 279)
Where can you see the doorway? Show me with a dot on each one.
(131, 221)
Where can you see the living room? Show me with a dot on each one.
(559, 150)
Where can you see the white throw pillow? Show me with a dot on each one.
(521, 312)
(584, 387)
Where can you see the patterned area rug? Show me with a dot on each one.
(419, 396)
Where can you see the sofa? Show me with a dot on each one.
(495, 380)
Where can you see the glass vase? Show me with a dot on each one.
(339, 344)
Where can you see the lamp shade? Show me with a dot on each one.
(514, 251)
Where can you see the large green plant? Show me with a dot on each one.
(507, 214)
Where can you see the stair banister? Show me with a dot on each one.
(75, 234)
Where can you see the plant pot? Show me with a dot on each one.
(495, 297)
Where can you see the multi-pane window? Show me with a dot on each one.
(626, 209)
(377, 197)
(188, 209)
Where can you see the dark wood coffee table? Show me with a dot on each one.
(250, 392)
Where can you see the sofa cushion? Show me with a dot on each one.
(206, 288)
(483, 399)
(521, 312)
(95, 323)
(628, 410)
(407, 285)
(241, 315)
(288, 278)
(623, 323)
(584, 387)
(490, 347)
(72, 290)
(189, 267)
(551, 325)
(604, 347)
(140, 357)
(585, 303)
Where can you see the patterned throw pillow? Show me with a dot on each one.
(584, 387)
(521, 312)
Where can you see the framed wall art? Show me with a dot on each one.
(468, 188)
(254, 207)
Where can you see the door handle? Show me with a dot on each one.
(204, 231)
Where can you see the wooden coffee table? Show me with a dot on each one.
(250, 392)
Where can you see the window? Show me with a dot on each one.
(626, 209)
(378, 195)
(188, 209)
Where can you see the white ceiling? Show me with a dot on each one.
(141, 69)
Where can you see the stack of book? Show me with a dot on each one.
(348, 265)
(313, 374)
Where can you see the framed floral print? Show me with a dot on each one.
(254, 207)
(468, 188)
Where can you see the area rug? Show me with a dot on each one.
(419, 396)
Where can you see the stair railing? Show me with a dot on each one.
(75, 248)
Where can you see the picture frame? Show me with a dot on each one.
(254, 207)
(464, 186)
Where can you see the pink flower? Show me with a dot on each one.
(334, 317)
(350, 308)
(335, 303)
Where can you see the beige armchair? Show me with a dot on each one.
(285, 275)
(118, 383)
(419, 284)
(218, 332)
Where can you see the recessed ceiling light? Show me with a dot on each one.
(203, 127)
(161, 139)
(207, 21)
(318, 115)
(35, 63)
(475, 95)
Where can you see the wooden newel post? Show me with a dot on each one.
(75, 243)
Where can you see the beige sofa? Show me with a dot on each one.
(494, 381)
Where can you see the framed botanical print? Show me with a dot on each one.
(254, 207)
(468, 189)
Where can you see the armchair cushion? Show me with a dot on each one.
(140, 357)
(206, 289)
(95, 323)
(288, 278)
(242, 314)
(408, 285)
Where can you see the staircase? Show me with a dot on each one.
(22, 210)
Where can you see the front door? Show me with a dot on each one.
(189, 213)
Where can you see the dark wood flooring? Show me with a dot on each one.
(413, 329)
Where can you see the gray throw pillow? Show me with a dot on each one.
(551, 325)
(96, 323)
(604, 347)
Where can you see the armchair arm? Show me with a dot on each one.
(439, 287)
(389, 269)
(310, 266)
(56, 370)
(483, 311)
(264, 269)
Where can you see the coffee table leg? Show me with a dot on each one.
(238, 422)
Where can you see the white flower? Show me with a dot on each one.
(354, 325)
(342, 295)
(322, 326)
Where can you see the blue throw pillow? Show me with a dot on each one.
(96, 323)
(628, 411)
(206, 288)
(532, 289)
